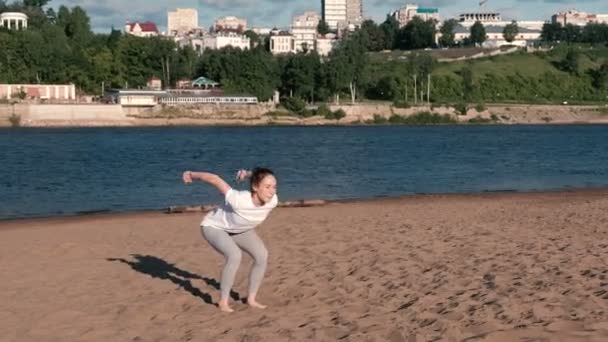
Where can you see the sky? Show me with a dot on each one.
(106, 14)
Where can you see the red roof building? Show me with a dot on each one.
(145, 29)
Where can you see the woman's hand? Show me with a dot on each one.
(241, 175)
(187, 177)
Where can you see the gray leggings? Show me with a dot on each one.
(230, 247)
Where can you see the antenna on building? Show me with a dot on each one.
(481, 3)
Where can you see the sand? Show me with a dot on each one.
(484, 267)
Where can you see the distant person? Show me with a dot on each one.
(230, 228)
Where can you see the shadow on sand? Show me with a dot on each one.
(159, 268)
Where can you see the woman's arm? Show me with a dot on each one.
(207, 177)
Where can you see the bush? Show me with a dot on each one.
(294, 104)
(337, 115)
(401, 104)
(323, 110)
(461, 108)
(480, 107)
(428, 118)
(479, 120)
(494, 118)
(379, 119)
(15, 120)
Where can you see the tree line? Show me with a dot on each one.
(59, 47)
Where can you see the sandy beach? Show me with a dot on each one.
(483, 267)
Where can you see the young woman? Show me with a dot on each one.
(230, 228)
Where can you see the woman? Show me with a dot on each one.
(230, 228)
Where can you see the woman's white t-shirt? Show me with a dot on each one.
(238, 213)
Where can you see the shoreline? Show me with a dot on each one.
(360, 114)
(305, 203)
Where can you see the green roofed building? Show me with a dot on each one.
(204, 82)
(407, 13)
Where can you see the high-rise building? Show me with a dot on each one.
(354, 12)
(182, 20)
(333, 12)
(341, 13)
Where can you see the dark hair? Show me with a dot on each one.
(257, 175)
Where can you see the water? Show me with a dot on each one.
(48, 172)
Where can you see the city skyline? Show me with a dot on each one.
(270, 13)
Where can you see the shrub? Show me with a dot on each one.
(494, 118)
(293, 104)
(479, 120)
(480, 107)
(401, 104)
(461, 108)
(426, 118)
(15, 120)
(379, 119)
(323, 110)
(337, 115)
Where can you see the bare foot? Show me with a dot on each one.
(225, 307)
(255, 304)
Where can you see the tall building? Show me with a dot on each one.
(407, 13)
(354, 12)
(333, 12)
(341, 13)
(182, 20)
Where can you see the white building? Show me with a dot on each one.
(230, 23)
(495, 37)
(407, 13)
(38, 91)
(145, 29)
(13, 20)
(181, 21)
(219, 40)
(486, 18)
(578, 18)
(282, 42)
(262, 31)
(333, 12)
(304, 30)
(342, 13)
(324, 44)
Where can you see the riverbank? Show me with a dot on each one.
(33, 115)
(483, 267)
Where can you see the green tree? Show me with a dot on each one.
(510, 32)
(551, 32)
(467, 83)
(447, 33)
(571, 33)
(478, 33)
(417, 34)
(600, 77)
(35, 3)
(570, 63)
(322, 27)
(372, 36)
(390, 27)
(254, 38)
(347, 67)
